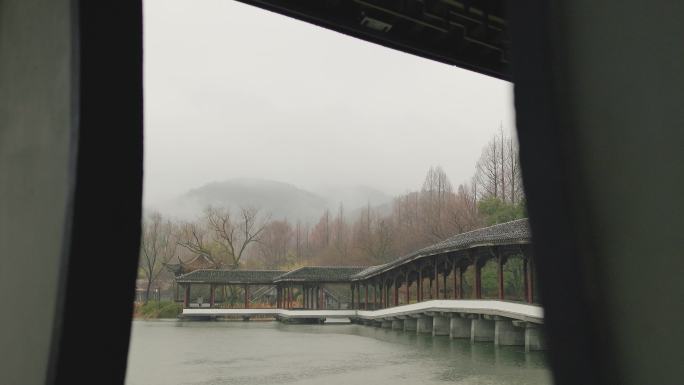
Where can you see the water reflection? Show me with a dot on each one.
(274, 353)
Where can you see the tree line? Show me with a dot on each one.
(249, 238)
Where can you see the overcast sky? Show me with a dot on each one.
(236, 91)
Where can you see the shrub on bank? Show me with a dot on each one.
(154, 309)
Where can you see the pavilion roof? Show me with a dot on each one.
(264, 277)
(513, 232)
(320, 274)
(200, 261)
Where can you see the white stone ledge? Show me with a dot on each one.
(512, 310)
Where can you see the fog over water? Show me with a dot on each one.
(232, 91)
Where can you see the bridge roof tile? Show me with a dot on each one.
(320, 274)
(514, 232)
(264, 277)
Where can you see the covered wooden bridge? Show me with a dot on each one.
(208, 282)
(451, 269)
(439, 289)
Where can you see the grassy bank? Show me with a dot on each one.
(154, 309)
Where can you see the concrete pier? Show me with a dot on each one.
(424, 324)
(481, 330)
(410, 324)
(459, 326)
(534, 338)
(440, 325)
(508, 334)
(397, 324)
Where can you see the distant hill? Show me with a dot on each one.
(281, 200)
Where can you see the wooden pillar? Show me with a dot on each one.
(309, 297)
(436, 281)
(529, 279)
(388, 287)
(478, 280)
(500, 275)
(456, 271)
(382, 294)
(246, 296)
(211, 295)
(352, 295)
(358, 295)
(420, 284)
(385, 304)
(321, 298)
(375, 296)
(408, 288)
(365, 305)
(186, 297)
(396, 292)
(444, 277)
(277, 297)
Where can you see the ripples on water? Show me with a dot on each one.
(250, 353)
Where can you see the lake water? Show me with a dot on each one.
(259, 353)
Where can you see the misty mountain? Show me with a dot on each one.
(281, 200)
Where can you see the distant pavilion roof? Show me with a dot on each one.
(200, 261)
(320, 274)
(263, 277)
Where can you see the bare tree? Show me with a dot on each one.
(157, 247)
(463, 211)
(193, 237)
(513, 172)
(487, 171)
(502, 156)
(435, 195)
(341, 241)
(275, 244)
(235, 235)
(373, 236)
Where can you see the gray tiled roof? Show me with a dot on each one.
(514, 232)
(230, 276)
(320, 274)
